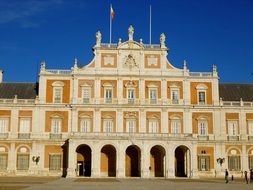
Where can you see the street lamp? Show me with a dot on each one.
(220, 161)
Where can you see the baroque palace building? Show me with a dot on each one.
(128, 113)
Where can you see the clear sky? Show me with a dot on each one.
(204, 32)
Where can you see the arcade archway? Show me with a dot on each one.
(157, 155)
(133, 161)
(108, 161)
(182, 161)
(83, 160)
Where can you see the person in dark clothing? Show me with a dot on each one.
(246, 176)
(226, 176)
(251, 176)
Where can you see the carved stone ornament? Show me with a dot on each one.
(130, 115)
(98, 38)
(130, 61)
(130, 33)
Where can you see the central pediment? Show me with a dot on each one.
(130, 45)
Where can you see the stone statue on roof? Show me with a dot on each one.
(130, 33)
(98, 38)
(162, 40)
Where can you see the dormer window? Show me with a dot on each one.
(57, 91)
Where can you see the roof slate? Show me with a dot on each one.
(22, 90)
(234, 92)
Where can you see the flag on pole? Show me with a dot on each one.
(112, 12)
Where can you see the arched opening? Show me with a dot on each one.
(157, 155)
(182, 161)
(108, 161)
(84, 160)
(133, 161)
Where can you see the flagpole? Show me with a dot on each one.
(150, 24)
(110, 24)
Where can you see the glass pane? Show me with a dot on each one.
(3, 161)
(23, 162)
(54, 162)
(24, 125)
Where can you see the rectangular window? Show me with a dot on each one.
(202, 97)
(86, 95)
(108, 126)
(3, 161)
(203, 163)
(130, 95)
(55, 162)
(234, 163)
(24, 125)
(153, 126)
(175, 96)
(56, 126)
(108, 95)
(22, 161)
(4, 123)
(176, 126)
(85, 126)
(153, 96)
(250, 127)
(130, 126)
(57, 94)
(202, 125)
(232, 128)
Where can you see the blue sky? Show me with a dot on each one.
(204, 32)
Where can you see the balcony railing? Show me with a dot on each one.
(24, 135)
(203, 137)
(55, 136)
(4, 135)
(233, 138)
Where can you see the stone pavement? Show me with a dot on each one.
(51, 183)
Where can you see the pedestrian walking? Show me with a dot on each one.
(246, 176)
(226, 176)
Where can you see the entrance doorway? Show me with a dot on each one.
(182, 161)
(108, 161)
(132, 161)
(84, 160)
(157, 155)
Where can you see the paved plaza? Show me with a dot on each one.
(48, 183)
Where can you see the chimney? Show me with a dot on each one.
(1, 75)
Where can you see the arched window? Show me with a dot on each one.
(234, 160)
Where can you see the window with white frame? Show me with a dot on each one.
(56, 124)
(175, 96)
(58, 94)
(24, 125)
(130, 95)
(131, 125)
(153, 95)
(203, 127)
(108, 95)
(86, 94)
(4, 123)
(203, 163)
(234, 163)
(108, 125)
(175, 126)
(201, 97)
(22, 161)
(54, 162)
(232, 128)
(153, 125)
(85, 125)
(3, 161)
(250, 128)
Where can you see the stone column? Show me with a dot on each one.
(164, 121)
(74, 92)
(72, 162)
(120, 90)
(97, 90)
(170, 162)
(244, 159)
(97, 121)
(142, 91)
(187, 121)
(142, 127)
(164, 91)
(194, 163)
(145, 161)
(12, 159)
(95, 163)
(119, 120)
(120, 171)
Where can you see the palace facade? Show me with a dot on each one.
(128, 113)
